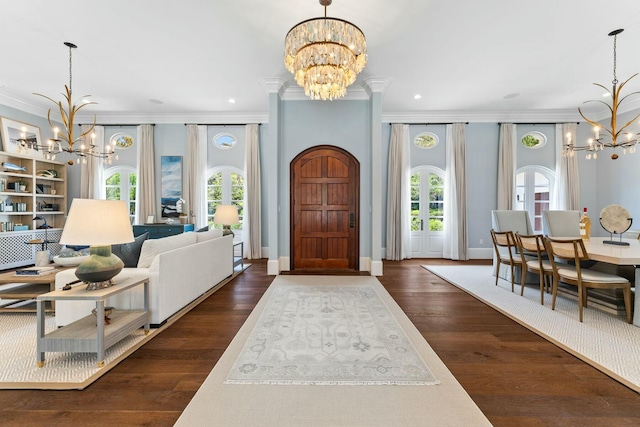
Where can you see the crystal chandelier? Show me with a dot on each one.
(55, 145)
(612, 134)
(325, 55)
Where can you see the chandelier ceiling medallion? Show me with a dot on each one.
(325, 55)
(68, 111)
(612, 136)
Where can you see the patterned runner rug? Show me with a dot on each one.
(605, 341)
(328, 334)
(61, 371)
(346, 333)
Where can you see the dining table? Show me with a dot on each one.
(619, 255)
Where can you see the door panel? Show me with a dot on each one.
(427, 212)
(324, 209)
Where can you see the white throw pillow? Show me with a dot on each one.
(208, 235)
(153, 247)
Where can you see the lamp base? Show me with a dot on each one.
(101, 266)
(92, 286)
(226, 230)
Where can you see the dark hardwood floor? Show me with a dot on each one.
(514, 376)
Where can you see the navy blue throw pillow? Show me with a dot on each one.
(129, 253)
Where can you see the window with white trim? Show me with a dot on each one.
(121, 183)
(534, 192)
(225, 186)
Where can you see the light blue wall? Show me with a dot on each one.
(347, 124)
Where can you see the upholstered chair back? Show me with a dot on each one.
(514, 221)
(561, 223)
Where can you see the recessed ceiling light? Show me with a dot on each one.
(155, 101)
(85, 101)
(606, 95)
(232, 101)
(417, 96)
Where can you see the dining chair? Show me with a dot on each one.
(561, 223)
(533, 245)
(506, 250)
(585, 279)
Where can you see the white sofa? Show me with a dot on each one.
(180, 269)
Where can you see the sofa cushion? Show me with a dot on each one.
(208, 235)
(129, 253)
(153, 247)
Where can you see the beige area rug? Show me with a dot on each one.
(336, 403)
(67, 371)
(603, 340)
(62, 371)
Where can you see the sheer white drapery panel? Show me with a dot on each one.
(567, 183)
(92, 172)
(506, 166)
(252, 230)
(195, 195)
(146, 174)
(455, 195)
(398, 195)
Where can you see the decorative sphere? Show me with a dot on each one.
(70, 162)
(614, 156)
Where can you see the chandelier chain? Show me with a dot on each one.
(70, 68)
(615, 59)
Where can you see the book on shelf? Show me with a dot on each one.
(35, 271)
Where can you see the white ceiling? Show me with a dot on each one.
(490, 59)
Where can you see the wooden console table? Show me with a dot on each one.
(90, 334)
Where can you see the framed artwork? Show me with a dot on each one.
(12, 131)
(171, 184)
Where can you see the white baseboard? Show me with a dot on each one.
(285, 263)
(273, 267)
(376, 268)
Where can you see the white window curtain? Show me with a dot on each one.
(146, 174)
(92, 172)
(506, 166)
(455, 195)
(398, 195)
(252, 230)
(567, 182)
(195, 193)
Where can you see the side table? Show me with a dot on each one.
(90, 334)
(238, 260)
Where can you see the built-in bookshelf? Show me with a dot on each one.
(29, 188)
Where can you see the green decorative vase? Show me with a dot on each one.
(101, 266)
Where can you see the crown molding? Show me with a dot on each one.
(355, 92)
(376, 84)
(529, 116)
(275, 85)
(106, 118)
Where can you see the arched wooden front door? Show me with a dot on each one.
(325, 214)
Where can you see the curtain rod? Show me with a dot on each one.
(431, 124)
(222, 124)
(524, 123)
(117, 124)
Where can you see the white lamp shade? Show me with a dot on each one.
(97, 223)
(226, 215)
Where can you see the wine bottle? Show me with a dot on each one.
(585, 226)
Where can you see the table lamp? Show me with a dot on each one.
(226, 215)
(99, 224)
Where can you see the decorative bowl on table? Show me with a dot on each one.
(68, 258)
